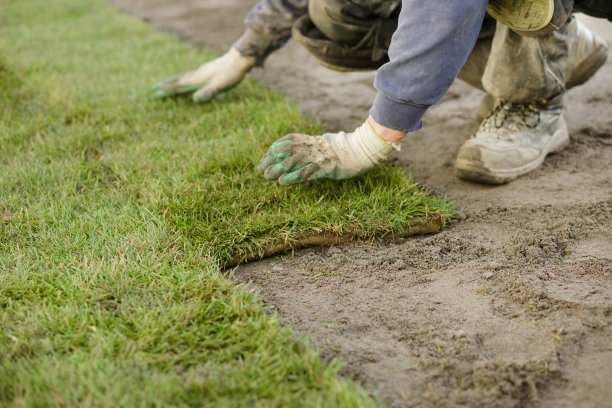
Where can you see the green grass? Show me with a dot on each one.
(116, 211)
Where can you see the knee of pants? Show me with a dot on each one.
(333, 19)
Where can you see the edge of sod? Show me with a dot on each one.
(420, 226)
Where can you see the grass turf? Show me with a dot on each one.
(117, 209)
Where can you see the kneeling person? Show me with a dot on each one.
(523, 60)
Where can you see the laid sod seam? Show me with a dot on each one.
(116, 211)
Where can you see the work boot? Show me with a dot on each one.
(587, 53)
(513, 140)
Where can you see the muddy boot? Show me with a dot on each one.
(513, 140)
(586, 54)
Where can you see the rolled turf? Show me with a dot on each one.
(118, 210)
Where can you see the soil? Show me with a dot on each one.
(509, 306)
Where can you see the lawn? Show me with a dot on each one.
(117, 212)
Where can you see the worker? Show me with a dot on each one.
(523, 54)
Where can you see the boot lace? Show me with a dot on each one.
(517, 114)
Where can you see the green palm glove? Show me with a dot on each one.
(297, 158)
(210, 79)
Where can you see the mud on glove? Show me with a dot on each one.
(210, 79)
(297, 158)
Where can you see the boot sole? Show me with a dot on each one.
(473, 171)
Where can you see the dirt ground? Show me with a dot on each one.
(510, 306)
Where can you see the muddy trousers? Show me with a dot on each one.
(503, 63)
(516, 68)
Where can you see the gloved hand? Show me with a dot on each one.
(297, 158)
(210, 79)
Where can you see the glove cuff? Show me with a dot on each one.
(258, 45)
(374, 147)
(239, 61)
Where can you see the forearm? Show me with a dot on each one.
(429, 47)
(269, 26)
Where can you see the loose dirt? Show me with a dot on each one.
(509, 306)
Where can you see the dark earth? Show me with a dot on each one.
(508, 306)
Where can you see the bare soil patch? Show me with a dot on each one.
(509, 306)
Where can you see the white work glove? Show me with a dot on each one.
(210, 79)
(297, 158)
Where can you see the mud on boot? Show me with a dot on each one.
(513, 140)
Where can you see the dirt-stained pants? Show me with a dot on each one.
(503, 63)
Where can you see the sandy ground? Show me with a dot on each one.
(509, 306)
